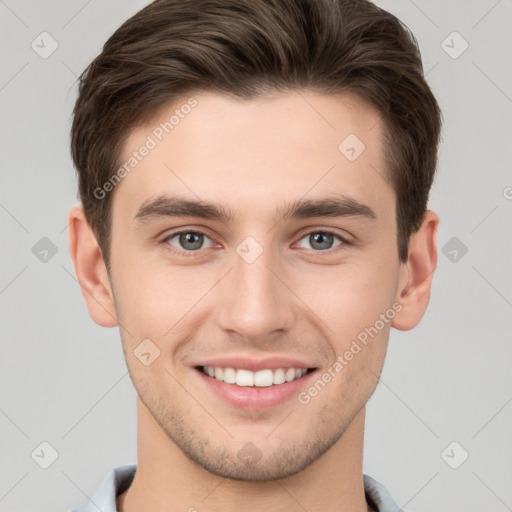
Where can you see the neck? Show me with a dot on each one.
(166, 480)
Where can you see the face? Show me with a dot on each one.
(257, 257)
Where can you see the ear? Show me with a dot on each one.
(90, 269)
(416, 274)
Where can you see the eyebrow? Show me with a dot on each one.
(177, 206)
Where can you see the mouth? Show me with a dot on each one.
(247, 378)
(260, 389)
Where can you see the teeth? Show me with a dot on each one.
(261, 378)
(229, 375)
(244, 378)
(278, 376)
(289, 375)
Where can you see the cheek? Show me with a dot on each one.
(350, 298)
(153, 298)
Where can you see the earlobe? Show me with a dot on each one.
(417, 274)
(90, 269)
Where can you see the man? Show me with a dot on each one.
(254, 178)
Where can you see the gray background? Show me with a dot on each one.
(63, 379)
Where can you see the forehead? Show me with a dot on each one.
(259, 152)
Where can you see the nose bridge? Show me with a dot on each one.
(256, 302)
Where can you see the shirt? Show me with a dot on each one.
(119, 479)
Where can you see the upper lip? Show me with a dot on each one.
(253, 364)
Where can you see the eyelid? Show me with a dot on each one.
(180, 231)
(345, 241)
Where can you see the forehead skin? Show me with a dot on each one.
(254, 156)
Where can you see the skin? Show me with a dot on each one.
(294, 300)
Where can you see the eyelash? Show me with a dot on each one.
(194, 253)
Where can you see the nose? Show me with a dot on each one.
(257, 305)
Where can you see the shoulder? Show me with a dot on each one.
(114, 483)
(378, 496)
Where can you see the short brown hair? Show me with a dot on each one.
(246, 48)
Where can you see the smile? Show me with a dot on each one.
(247, 378)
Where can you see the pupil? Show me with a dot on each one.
(188, 238)
(323, 240)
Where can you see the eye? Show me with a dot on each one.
(189, 241)
(322, 240)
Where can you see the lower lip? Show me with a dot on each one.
(254, 397)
